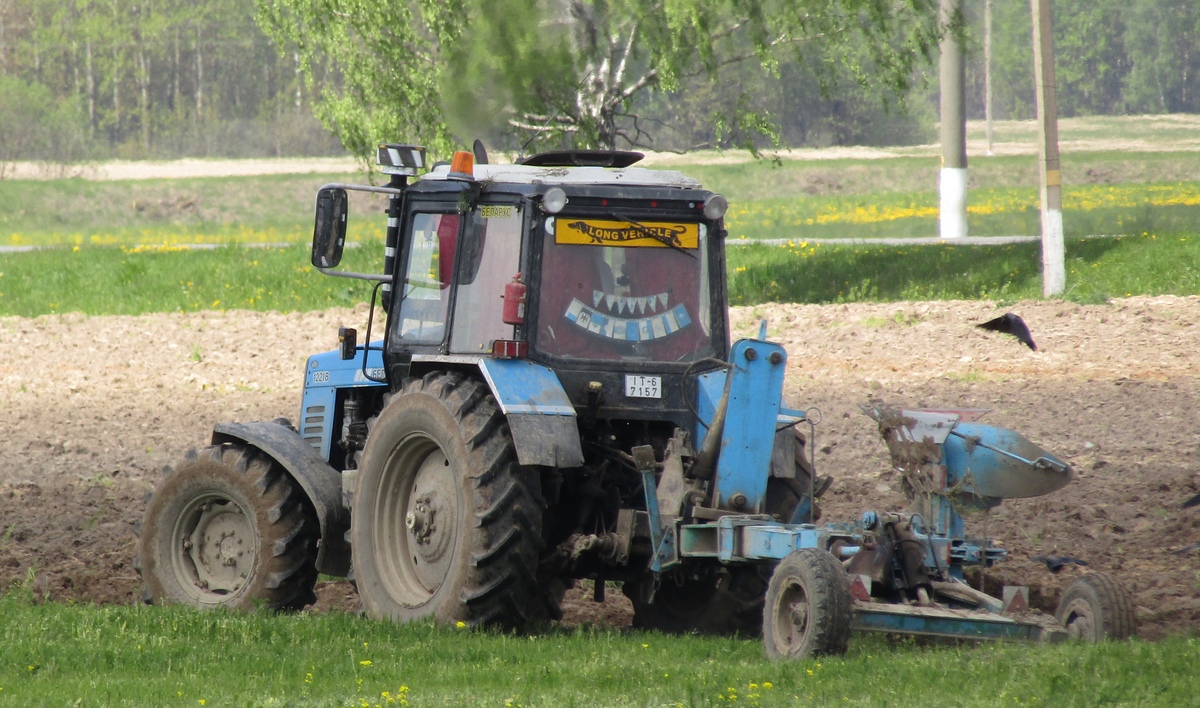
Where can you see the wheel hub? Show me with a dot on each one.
(429, 520)
(1080, 624)
(219, 552)
(793, 615)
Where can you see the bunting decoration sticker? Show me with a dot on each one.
(649, 317)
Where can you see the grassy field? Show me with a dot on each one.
(118, 251)
(76, 655)
(140, 279)
(119, 244)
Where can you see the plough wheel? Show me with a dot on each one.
(1095, 607)
(809, 608)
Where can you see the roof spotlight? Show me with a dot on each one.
(554, 200)
(715, 207)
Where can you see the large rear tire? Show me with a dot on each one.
(809, 609)
(1095, 607)
(446, 523)
(229, 528)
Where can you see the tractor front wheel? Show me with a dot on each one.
(1095, 607)
(446, 523)
(229, 528)
(809, 608)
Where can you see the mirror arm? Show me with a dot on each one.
(357, 276)
(362, 188)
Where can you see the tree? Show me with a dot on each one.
(387, 55)
(576, 75)
(1162, 41)
(571, 71)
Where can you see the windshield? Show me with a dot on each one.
(620, 289)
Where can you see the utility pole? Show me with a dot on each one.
(1054, 275)
(952, 185)
(987, 70)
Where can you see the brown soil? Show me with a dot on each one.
(95, 407)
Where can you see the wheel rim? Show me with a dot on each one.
(214, 548)
(791, 617)
(1079, 620)
(416, 521)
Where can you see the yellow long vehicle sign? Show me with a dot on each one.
(599, 232)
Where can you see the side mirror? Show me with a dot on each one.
(329, 231)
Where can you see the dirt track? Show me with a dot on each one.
(95, 407)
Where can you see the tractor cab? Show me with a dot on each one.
(608, 274)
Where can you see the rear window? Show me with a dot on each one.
(612, 289)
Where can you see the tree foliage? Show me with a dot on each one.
(388, 57)
(158, 77)
(1111, 57)
(572, 71)
(579, 73)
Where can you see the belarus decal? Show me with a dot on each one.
(635, 329)
(598, 232)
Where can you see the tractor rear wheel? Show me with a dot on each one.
(446, 523)
(1095, 607)
(809, 609)
(229, 528)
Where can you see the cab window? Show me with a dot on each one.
(490, 257)
(425, 290)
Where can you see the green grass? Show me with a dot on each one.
(131, 281)
(1097, 269)
(263, 208)
(65, 654)
(106, 263)
(116, 281)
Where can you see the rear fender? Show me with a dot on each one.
(322, 484)
(540, 416)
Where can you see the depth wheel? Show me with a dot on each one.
(1095, 607)
(446, 523)
(229, 528)
(809, 608)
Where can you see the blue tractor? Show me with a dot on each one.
(553, 396)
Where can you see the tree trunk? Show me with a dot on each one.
(175, 72)
(144, 85)
(299, 82)
(116, 82)
(91, 90)
(3, 40)
(199, 77)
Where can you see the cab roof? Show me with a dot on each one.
(552, 175)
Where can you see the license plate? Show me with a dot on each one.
(638, 386)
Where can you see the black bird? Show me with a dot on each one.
(1008, 323)
(1186, 549)
(1194, 501)
(1056, 563)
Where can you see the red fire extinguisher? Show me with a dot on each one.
(514, 301)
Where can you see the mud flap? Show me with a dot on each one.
(550, 440)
